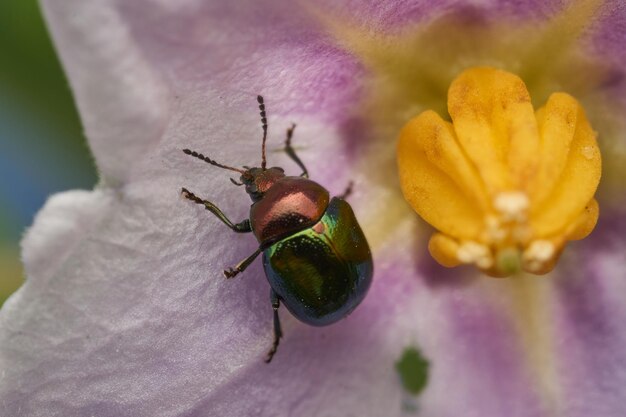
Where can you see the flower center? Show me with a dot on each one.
(505, 186)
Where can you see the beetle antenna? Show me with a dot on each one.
(210, 161)
(259, 98)
(238, 184)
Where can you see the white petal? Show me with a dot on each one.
(123, 102)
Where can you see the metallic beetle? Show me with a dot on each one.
(315, 256)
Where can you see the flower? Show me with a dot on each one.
(125, 310)
(506, 186)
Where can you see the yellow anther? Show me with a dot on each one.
(538, 254)
(511, 205)
(506, 186)
(475, 253)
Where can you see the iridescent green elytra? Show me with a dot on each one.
(323, 272)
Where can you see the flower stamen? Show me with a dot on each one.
(512, 205)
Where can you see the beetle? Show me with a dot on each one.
(315, 255)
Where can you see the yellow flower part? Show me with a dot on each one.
(505, 186)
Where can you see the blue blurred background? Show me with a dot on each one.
(42, 148)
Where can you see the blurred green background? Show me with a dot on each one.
(42, 148)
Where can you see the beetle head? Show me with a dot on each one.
(259, 180)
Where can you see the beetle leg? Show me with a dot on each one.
(347, 192)
(292, 153)
(241, 266)
(278, 333)
(241, 227)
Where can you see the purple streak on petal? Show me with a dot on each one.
(591, 335)
(250, 48)
(609, 32)
(607, 37)
(590, 317)
(391, 15)
(491, 353)
(476, 336)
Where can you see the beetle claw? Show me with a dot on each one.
(231, 273)
(270, 355)
(278, 332)
(274, 348)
